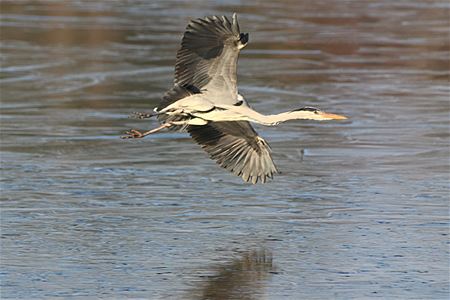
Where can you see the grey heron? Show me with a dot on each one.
(204, 101)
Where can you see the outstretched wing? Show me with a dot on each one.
(236, 147)
(208, 57)
(206, 63)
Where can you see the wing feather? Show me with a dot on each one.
(236, 147)
(209, 52)
(206, 63)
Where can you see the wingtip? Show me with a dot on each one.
(236, 24)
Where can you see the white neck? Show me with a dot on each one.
(245, 113)
(272, 120)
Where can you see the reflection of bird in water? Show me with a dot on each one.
(205, 101)
(243, 278)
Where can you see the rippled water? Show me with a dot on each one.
(359, 211)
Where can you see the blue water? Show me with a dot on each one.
(360, 210)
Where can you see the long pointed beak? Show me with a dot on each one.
(333, 116)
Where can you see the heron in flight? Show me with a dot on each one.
(205, 102)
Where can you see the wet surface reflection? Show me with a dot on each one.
(360, 209)
(241, 278)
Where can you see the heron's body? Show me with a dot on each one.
(205, 101)
(195, 107)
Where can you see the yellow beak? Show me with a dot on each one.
(333, 116)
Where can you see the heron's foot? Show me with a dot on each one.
(136, 134)
(133, 134)
(141, 115)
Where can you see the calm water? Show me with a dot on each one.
(361, 209)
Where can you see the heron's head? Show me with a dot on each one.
(312, 113)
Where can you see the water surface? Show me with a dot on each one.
(359, 211)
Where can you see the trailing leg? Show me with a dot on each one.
(136, 134)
